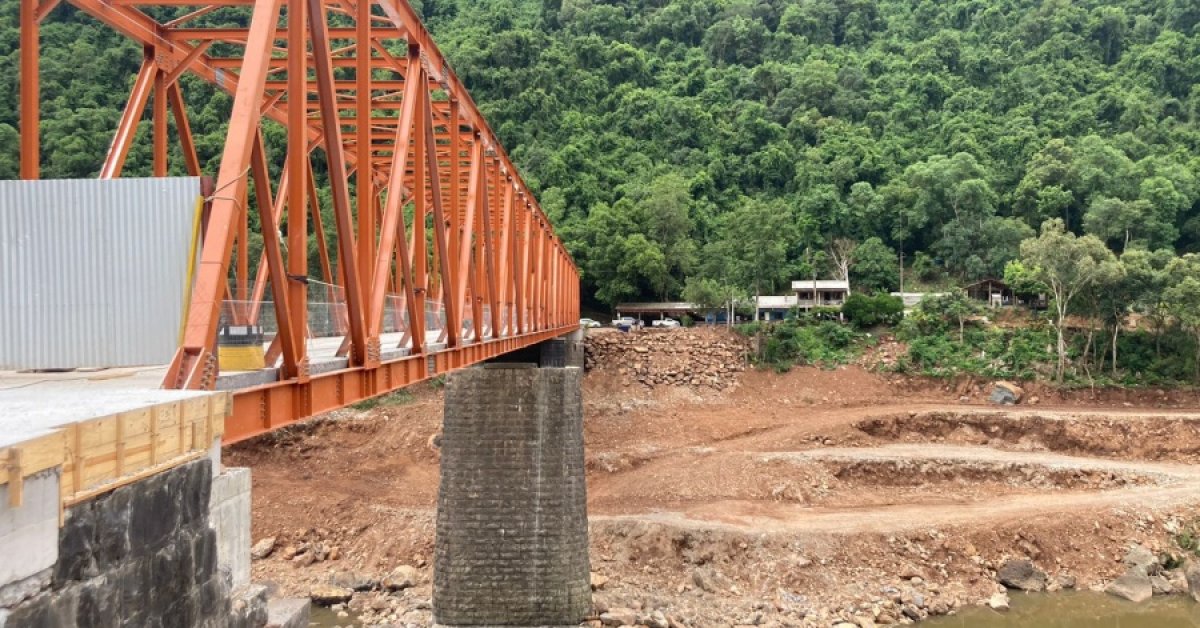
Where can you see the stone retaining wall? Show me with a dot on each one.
(142, 555)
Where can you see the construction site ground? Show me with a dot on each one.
(807, 498)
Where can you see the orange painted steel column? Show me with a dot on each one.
(337, 181)
(183, 129)
(297, 183)
(127, 127)
(363, 179)
(200, 335)
(160, 123)
(453, 309)
(30, 91)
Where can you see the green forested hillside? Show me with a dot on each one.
(735, 139)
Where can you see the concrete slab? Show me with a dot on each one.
(28, 535)
(229, 515)
(32, 405)
(288, 613)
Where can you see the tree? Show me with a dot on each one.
(841, 254)
(1183, 297)
(1068, 265)
(755, 240)
(952, 307)
(875, 268)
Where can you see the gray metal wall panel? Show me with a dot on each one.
(92, 272)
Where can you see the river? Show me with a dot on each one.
(1060, 610)
(1079, 610)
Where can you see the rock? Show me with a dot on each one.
(263, 548)
(1141, 558)
(1066, 581)
(353, 580)
(1192, 574)
(1020, 574)
(657, 620)
(863, 621)
(328, 595)
(1134, 586)
(1161, 586)
(305, 559)
(1006, 394)
(844, 624)
(598, 581)
(619, 617)
(998, 602)
(402, 577)
(709, 581)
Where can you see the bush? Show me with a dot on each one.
(826, 344)
(866, 311)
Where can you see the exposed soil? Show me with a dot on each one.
(797, 499)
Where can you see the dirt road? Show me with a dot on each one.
(806, 498)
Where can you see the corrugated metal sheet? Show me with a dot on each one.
(92, 272)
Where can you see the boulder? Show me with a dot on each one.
(619, 617)
(1159, 585)
(709, 580)
(353, 580)
(1139, 557)
(1020, 574)
(1192, 574)
(402, 577)
(328, 595)
(1134, 586)
(263, 548)
(1006, 394)
(998, 602)
(598, 581)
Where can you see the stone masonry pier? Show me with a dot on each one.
(512, 544)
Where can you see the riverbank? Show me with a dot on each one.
(805, 499)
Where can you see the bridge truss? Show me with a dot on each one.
(428, 208)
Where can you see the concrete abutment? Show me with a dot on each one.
(512, 541)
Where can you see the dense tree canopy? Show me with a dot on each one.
(653, 130)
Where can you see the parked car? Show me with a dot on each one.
(665, 322)
(589, 323)
(625, 323)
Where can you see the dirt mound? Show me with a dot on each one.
(1109, 435)
(708, 357)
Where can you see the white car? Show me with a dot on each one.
(589, 323)
(625, 322)
(665, 322)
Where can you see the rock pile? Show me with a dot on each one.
(673, 357)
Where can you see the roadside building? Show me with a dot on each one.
(812, 293)
(775, 308)
(993, 292)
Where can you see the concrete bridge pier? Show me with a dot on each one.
(512, 540)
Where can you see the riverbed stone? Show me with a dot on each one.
(1134, 585)
(1020, 574)
(1138, 557)
(1192, 574)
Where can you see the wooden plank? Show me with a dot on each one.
(16, 477)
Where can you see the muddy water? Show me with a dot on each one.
(1079, 610)
(1061, 610)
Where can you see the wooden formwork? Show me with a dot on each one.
(103, 453)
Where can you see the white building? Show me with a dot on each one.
(820, 293)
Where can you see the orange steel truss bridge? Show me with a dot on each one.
(438, 223)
